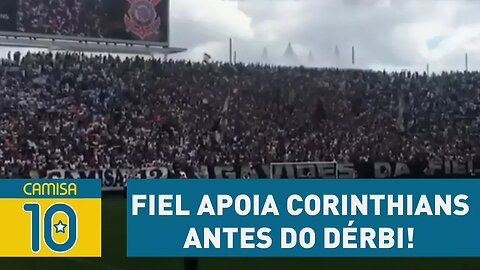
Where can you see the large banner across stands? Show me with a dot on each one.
(380, 169)
(113, 179)
(304, 218)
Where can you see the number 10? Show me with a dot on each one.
(36, 221)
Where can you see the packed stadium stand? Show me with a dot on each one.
(73, 111)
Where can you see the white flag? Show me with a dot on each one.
(207, 57)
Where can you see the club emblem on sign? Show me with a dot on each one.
(142, 19)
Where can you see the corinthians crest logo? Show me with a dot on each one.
(142, 19)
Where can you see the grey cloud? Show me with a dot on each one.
(392, 33)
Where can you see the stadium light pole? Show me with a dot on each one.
(230, 50)
(353, 55)
(466, 61)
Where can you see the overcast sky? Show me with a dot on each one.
(391, 34)
(387, 34)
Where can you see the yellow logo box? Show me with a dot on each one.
(50, 218)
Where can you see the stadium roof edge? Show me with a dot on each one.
(88, 46)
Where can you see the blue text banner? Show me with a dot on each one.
(307, 218)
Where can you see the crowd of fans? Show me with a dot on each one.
(72, 111)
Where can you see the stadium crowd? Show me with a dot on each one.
(74, 111)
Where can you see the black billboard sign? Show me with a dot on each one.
(135, 21)
(8, 15)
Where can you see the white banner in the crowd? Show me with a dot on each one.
(112, 179)
(299, 170)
